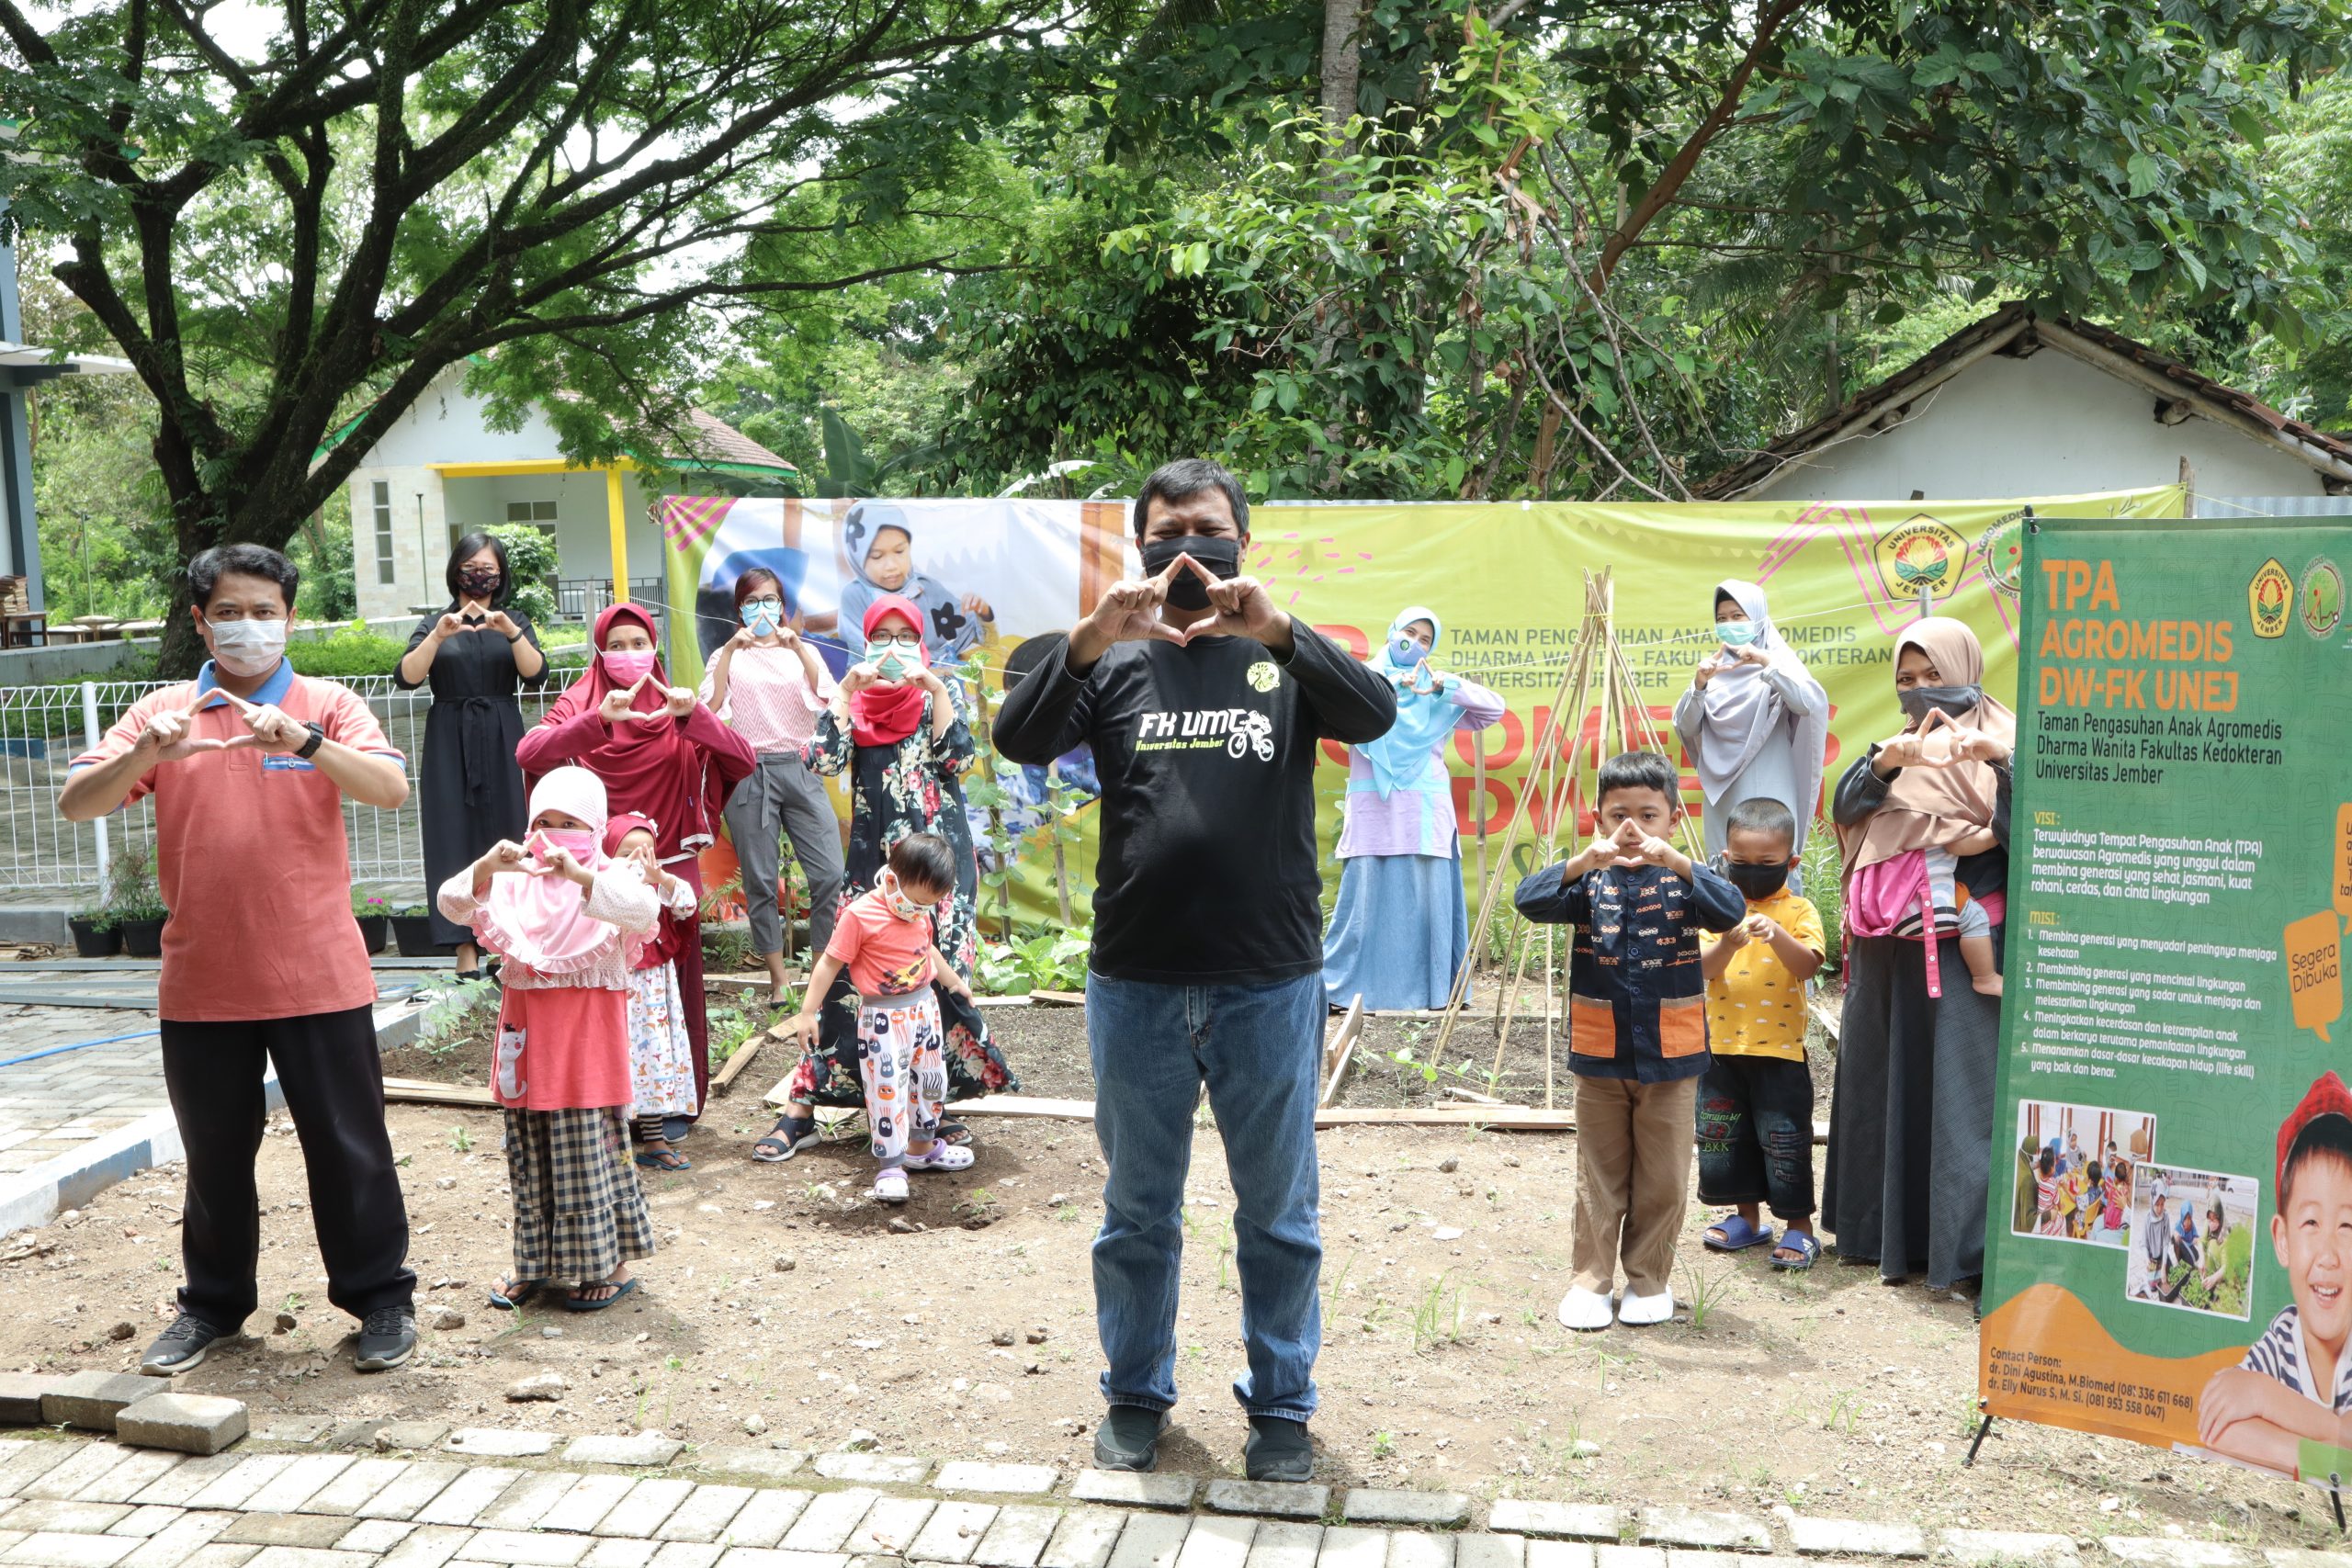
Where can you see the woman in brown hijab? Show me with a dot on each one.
(1923, 824)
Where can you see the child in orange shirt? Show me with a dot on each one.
(884, 940)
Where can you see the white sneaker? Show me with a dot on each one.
(1584, 1310)
(942, 1156)
(1641, 1311)
(889, 1186)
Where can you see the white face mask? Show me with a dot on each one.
(248, 648)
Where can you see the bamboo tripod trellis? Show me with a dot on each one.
(1598, 673)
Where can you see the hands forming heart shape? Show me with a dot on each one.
(1238, 606)
(619, 704)
(1940, 742)
(269, 727)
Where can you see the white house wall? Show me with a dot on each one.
(420, 539)
(2045, 425)
(448, 424)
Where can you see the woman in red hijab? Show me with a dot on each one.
(894, 727)
(663, 756)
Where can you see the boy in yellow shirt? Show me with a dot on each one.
(1755, 1102)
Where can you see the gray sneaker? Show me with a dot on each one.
(179, 1348)
(386, 1340)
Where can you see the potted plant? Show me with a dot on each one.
(95, 935)
(412, 932)
(136, 902)
(373, 915)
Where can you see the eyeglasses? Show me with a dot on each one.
(770, 603)
(897, 639)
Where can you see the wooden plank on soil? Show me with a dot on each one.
(1060, 998)
(1503, 1118)
(422, 1091)
(1825, 1016)
(1027, 1105)
(1342, 1047)
(723, 1080)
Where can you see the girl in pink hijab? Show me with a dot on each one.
(570, 922)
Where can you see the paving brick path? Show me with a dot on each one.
(411, 1498)
(57, 1104)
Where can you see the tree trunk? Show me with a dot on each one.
(1342, 60)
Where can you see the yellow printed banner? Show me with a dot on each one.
(1843, 578)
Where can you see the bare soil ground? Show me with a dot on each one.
(783, 1297)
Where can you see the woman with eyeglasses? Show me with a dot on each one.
(475, 654)
(769, 686)
(893, 726)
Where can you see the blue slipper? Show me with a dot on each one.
(1803, 1242)
(577, 1302)
(1738, 1235)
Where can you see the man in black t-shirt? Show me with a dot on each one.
(1205, 706)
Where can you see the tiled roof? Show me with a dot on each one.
(715, 441)
(2009, 329)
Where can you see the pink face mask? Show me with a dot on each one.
(580, 845)
(627, 668)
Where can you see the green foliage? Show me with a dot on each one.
(369, 906)
(348, 651)
(729, 1027)
(1043, 958)
(132, 892)
(321, 548)
(2226, 1294)
(1825, 888)
(726, 950)
(458, 1012)
(531, 558)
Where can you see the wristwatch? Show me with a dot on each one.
(318, 739)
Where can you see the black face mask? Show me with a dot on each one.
(1952, 701)
(478, 584)
(1756, 882)
(1186, 591)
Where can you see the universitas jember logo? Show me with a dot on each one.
(1919, 555)
(2269, 599)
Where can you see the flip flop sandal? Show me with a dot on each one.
(1809, 1247)
(664, 1159)
(954, 1132)
(512, 1293)
(1738, 1235)
(580, 1301)
(781, 1143)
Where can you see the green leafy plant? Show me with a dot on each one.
(1041, 960)
(1434, 1321)
(531, 561)
(366, 906)
(455, 1011)
(726, 950)
(132, 892)
(460, 1140)
(1823, 871)
(97, 916)
(1705, 1294)
(729, 1027)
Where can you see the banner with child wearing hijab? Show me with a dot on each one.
(1841, 581)
(2169, 1248)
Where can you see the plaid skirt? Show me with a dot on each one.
(579, 1211)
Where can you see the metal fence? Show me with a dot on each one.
(43, 729)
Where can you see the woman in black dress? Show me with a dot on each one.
(469, 790)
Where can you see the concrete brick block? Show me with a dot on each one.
(411, 1435)
(760, 1524)
(1017, 1537)
(51, 1548)
(1490, 1551)
(1402, 1505)
(953, 1532)
(1217, 1544)
(52, 1514)
(285, 1530)
(768, 1464)
(412, 1490)
(889, 1528)
(1418, 1549)
(20, 1397)
(88, 1465)
(2150, 1552)
(1701, 1529)
(1151, 1540)
(464, 1500)
(1083, 1539)
(648, 1505)
(138, 1470)
(873, 1469)
(497, 1442)
(969, 1476)
(1575, 1522)
(1282, 1499)
(198, 1424)
(584, 1507)
(92, 1400)
(825, 1525)
(1133, 1489)
(645, 1448)
(2012, 1549)
(530, 1547)
(706, 1511)
(1854, 1538)
(1281, 1544)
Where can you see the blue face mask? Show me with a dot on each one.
(762, 619)
(1406, 653)
(1736, 634)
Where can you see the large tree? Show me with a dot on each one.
(284, 240)
(1565, 239)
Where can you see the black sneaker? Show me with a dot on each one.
(179, 1348)
(385, 1339)
(1277, 1450)
(1128, 1437)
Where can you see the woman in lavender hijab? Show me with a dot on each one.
(1753, 720)
(1401, 930)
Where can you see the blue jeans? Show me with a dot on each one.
(1260, 1049)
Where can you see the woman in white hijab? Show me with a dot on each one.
(1754, 721)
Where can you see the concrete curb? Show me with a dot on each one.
(38, 1196)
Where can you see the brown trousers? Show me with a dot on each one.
(1633, 1145)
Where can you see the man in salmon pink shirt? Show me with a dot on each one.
(248, 766)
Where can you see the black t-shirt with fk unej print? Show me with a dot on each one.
(1209, 873)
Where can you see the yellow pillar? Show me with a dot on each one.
(617, 518)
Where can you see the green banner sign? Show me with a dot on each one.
(2169, 1249)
